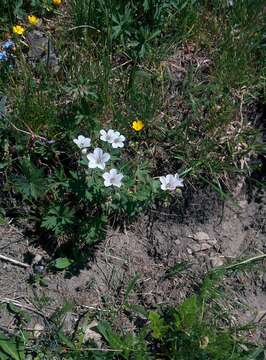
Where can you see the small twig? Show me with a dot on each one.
(22, 306)
(84, 27)
(121, 65)
(27, 132)
(16, 262)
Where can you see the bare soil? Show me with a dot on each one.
(201, 234)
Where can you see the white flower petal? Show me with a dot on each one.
(82, 142)
(107, 183)
(92, 165)
(171, 182)
(101, 166)
(106, 176)
(90, 157)
(113, 172)
(97, 152)
(106, 157)
(120, 177)
(112, 178)
(163, 180)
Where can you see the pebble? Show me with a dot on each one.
(216, 261)
(37, 330)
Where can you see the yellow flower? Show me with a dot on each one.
(137, 125)
(57, 2)
(18, 29)
(33, 20)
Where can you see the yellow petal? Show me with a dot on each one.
(18, 29)
(57, 2)
(137, 125)
(33, 20)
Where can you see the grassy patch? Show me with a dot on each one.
(192, 72)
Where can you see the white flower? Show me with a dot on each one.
(112, 178)
(82, 142)
(171, 182)
(107, 136)
(113, 137)
(118, 141)
(97, 159)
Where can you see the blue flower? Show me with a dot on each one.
(3, 56)
(8, 44)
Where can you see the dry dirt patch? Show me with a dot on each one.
(200, 239)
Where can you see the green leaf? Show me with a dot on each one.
(157, 324)
(188, 312)
(63, 263)
(110, 336)
(13, 347)
(137, 309)
(49, 222)
(14, 309)
(66, 340)
(131, 286)
(146, 5)
(31, 183)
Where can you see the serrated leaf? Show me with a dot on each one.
(188, 312)
(157, 325)
(49, 222)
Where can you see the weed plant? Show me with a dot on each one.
(192, 72)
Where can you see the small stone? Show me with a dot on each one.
(200, 247)
(37, 330)
(212, 241)
(205, 246)
(92, 335)
(243, 204)
(201, 236)
(216, 261)
(37, 259)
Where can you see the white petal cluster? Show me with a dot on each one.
(97, 159)
(112, 178)
(171, 182)
(107, 136)
(82, 142)
(113, 137)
